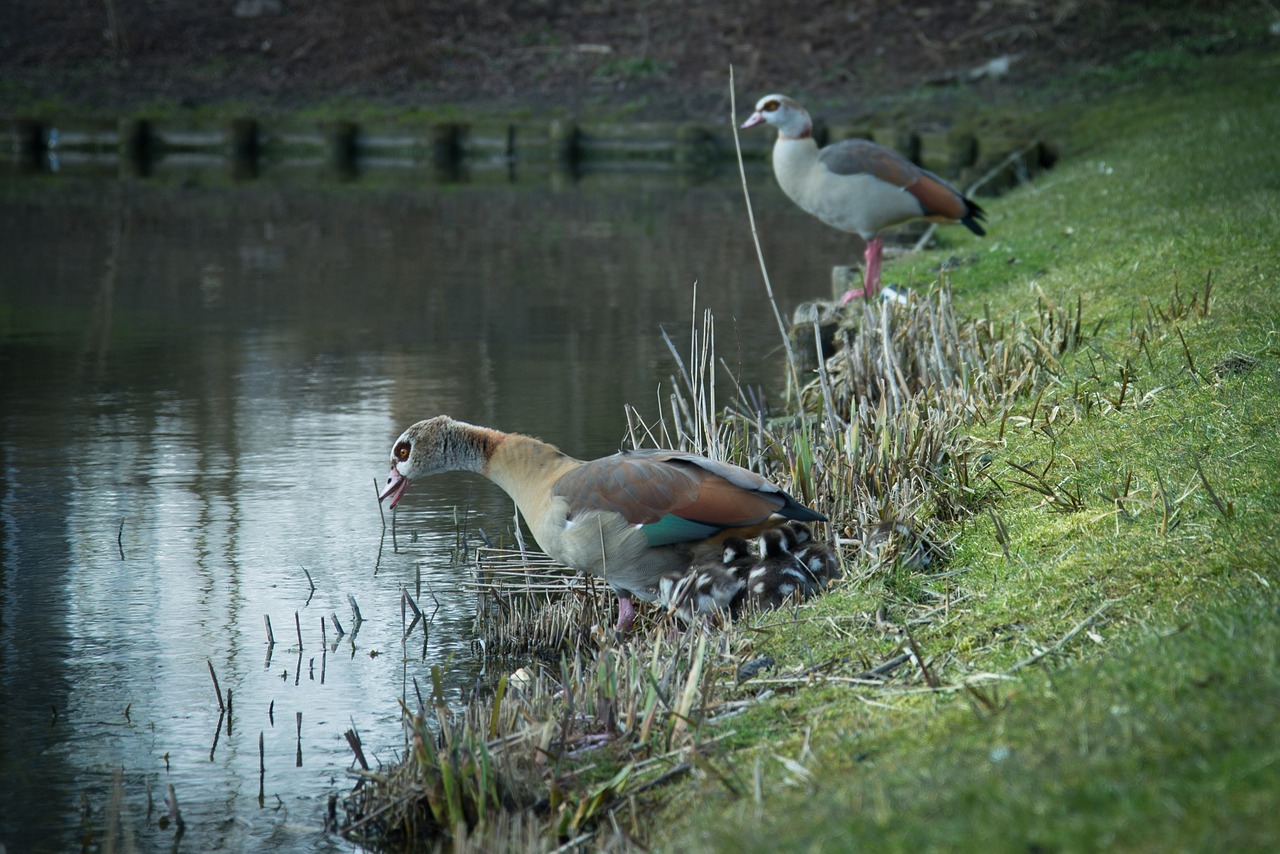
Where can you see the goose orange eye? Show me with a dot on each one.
(401, 451)
(771, 106)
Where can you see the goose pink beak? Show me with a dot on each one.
(396, 485)
(757, 118)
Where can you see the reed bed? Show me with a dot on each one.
(585, 724)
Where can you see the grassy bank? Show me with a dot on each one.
(1104, 663)
(1056, 489)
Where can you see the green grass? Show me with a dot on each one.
(1152, 727)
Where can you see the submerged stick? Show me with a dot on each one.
(175, 814)
(271, 638)
(221, 705)
(407, 599)
(312, 583)
(297, 623)
(262, 769)
(120, 535)
(353, 739)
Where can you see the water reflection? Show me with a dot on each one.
(201, 380)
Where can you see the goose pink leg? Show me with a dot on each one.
(871, 276)
(626, 614)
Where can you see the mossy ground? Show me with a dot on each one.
(1145, 718)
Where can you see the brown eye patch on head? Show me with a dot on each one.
(401, 451)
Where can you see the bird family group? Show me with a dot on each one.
(703, 537)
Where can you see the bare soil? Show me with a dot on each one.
(642, 58)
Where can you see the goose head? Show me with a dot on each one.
(791, 119)
(433, 446)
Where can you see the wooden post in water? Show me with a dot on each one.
(447, 148)
(964, 152)
(696, 147)
(907, 142)
(141, 145)
(246, 147)
(566, 143)
(33, 142)
(344, 147)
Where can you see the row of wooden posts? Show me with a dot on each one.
(447, 145)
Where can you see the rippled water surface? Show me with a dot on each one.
(201, 381)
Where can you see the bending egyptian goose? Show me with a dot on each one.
(630, 518)
(713, 585)
(856, 185)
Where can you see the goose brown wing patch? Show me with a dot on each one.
(645, 486)
(938, 198)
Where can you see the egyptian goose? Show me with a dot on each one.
(713, 585)
(630, 518)
(856, 185)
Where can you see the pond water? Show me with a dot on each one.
(201, 381)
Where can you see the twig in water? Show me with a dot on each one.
(406, 599)
(120, 539)
(175, 814)
(217, 735)
(222, 706)
(312, 583)
(271, 638)
(432, 594)
(262, 769)
(353, 739)
(297, 624)
(376, 493)
(355, 609)
(336, 624)
(299, 761)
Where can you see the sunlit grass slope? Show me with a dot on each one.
(1107, 651)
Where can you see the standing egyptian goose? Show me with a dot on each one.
(713, 585)
(630, 518)
(856, 185)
